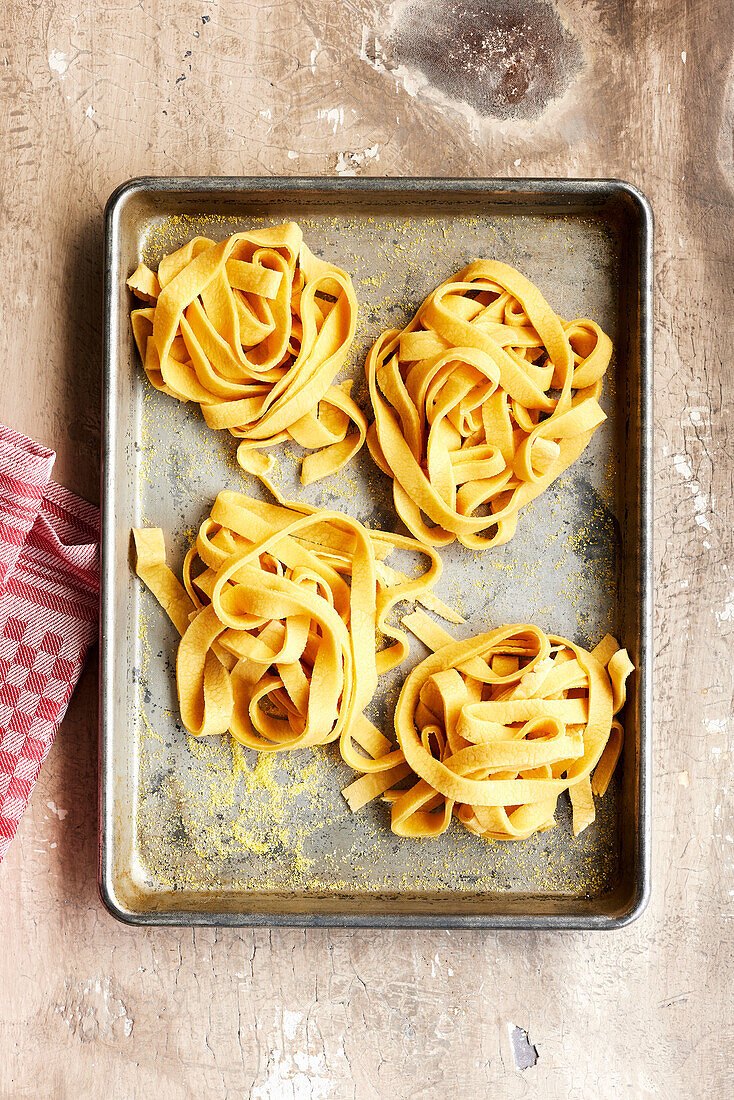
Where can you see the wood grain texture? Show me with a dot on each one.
(91, 94)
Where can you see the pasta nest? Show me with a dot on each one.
(255, 329)
(480, 403)
(280, 612)
(495, 728)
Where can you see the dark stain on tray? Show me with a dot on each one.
(505, 58)
(599, 535)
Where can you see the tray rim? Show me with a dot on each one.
(421, 186)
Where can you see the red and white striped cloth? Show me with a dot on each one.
(49, 607)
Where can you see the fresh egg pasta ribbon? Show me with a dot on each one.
(482, 401)
(280, 612)
(493, 729)
(255, 329)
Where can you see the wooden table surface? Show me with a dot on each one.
(92, 94)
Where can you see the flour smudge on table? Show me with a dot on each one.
(503, 58)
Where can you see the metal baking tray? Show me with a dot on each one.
(194, 832)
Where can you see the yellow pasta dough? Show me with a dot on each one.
(255, 329)
(480, 403)
(494, 728)
(280, 613)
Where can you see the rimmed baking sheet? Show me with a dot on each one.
(201, 831)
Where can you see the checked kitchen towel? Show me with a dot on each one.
(49, 606)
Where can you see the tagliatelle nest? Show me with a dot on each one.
(255, 329)
(480, 403)
(279, 613)
(495, 728)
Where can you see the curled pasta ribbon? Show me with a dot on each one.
(480, 403)
(279, 613)
(255, 329)
(494, 728)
